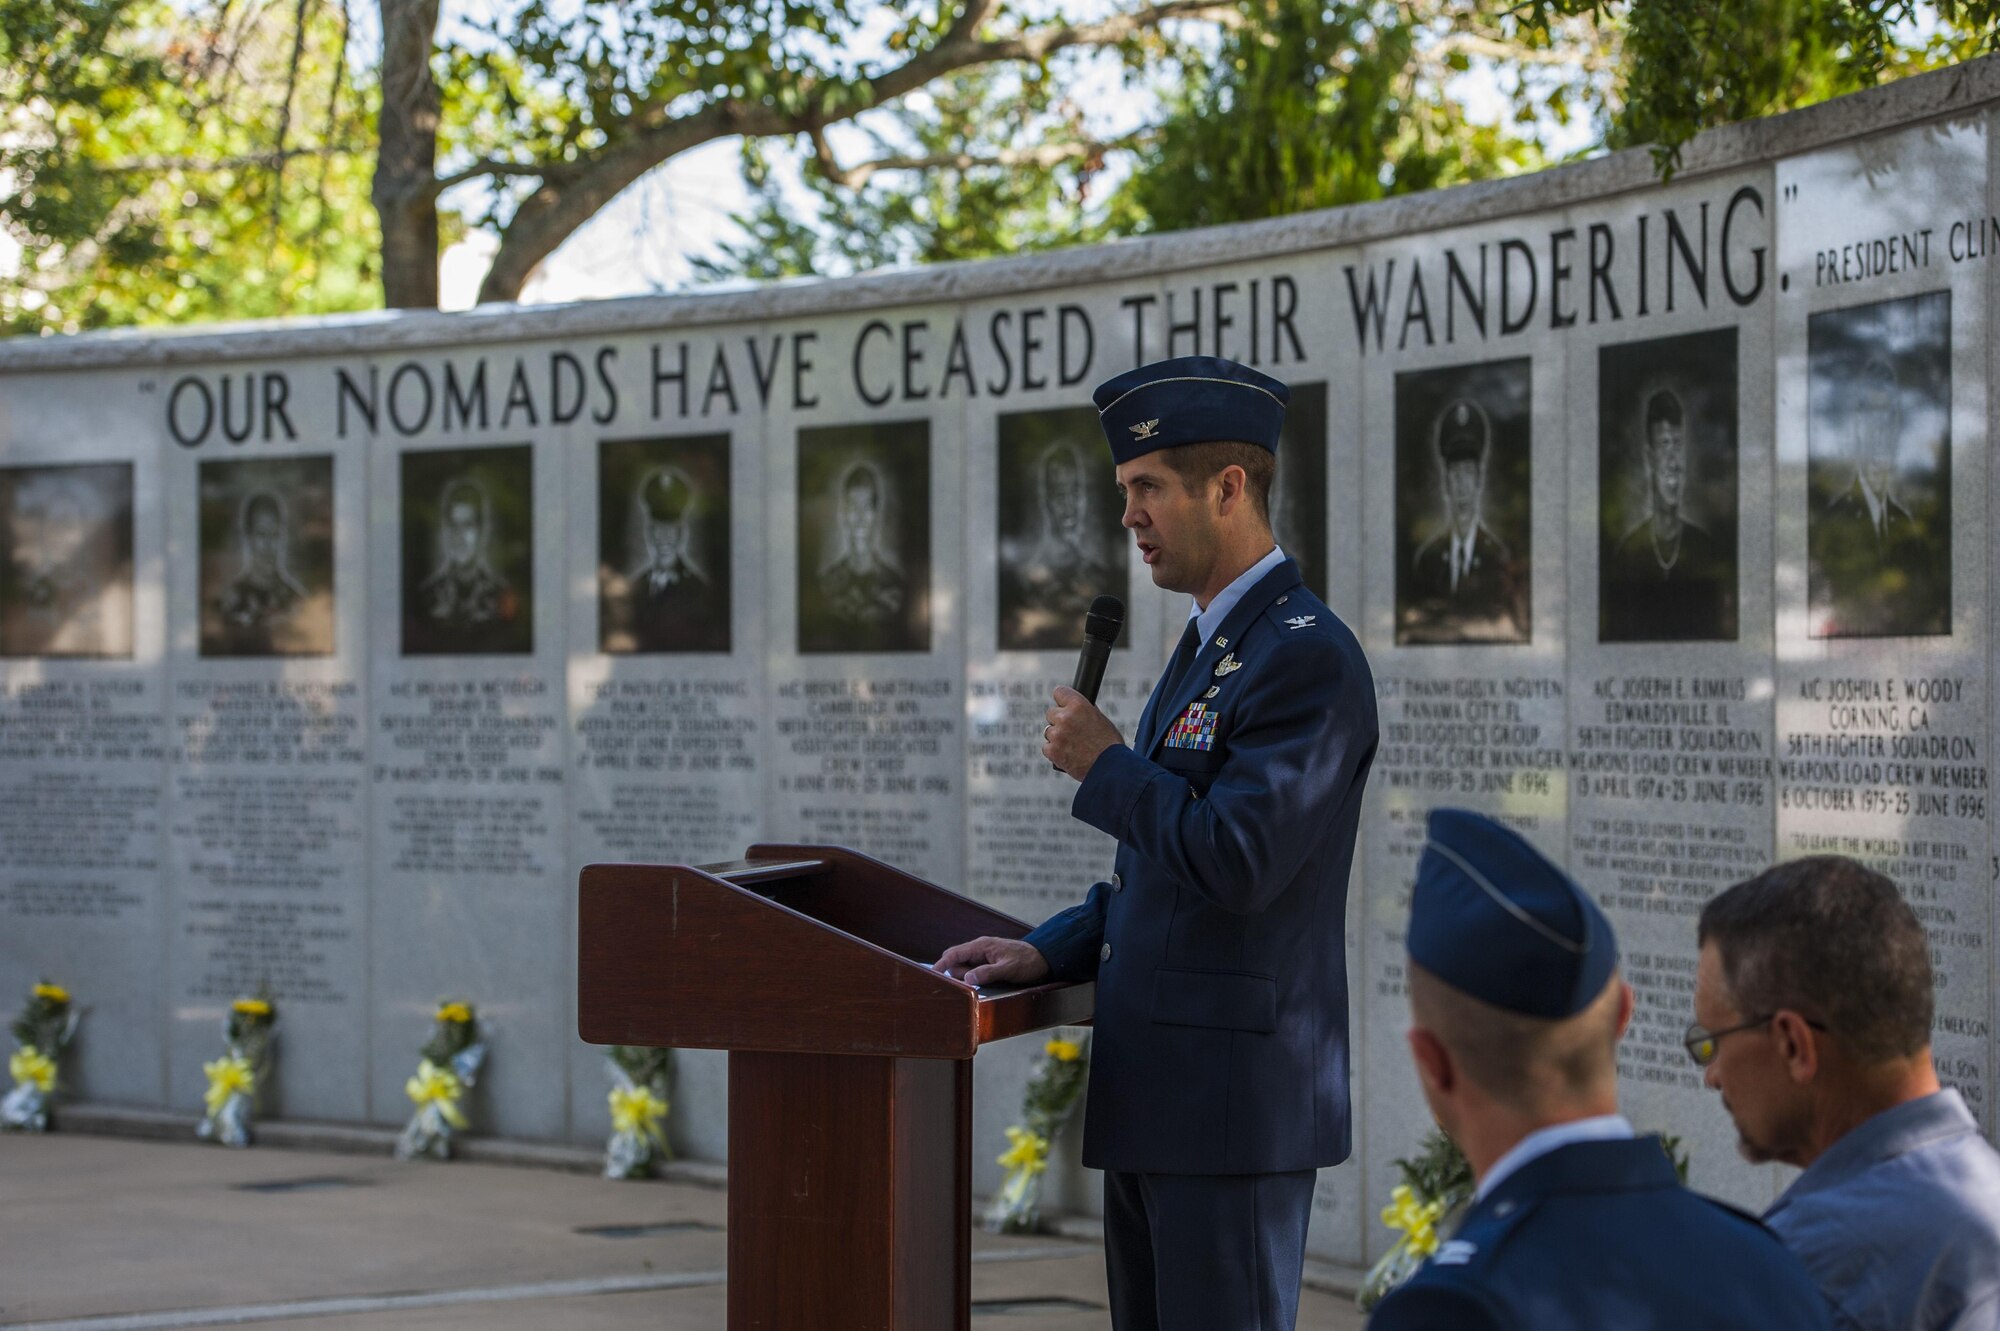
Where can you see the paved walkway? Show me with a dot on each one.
(104, 1234)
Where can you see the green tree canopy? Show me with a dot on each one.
(992, 162)
(167, 173)
(1311, 104)
(174, 160)
(1302, 104)
(1689, 67)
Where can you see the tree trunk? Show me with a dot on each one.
(405, 188)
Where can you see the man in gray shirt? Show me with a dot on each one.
(1813, 1008)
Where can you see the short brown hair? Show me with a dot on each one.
(1526, 1063)
(1197, 464)
(1833, 940)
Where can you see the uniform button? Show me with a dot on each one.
(1117, 883)
(1286, 597)
(1104, 953)
(1503, 1209)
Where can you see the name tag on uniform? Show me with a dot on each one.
(1195, 729)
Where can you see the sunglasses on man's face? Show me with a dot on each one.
(1703, 1044)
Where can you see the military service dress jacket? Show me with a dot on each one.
(1601, 1234)
(1216, 944)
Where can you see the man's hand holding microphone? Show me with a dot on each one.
(1075, 734)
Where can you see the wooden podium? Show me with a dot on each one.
(850, 1066)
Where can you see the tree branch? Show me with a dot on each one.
(552, 212)
(1492, 48)
(1039, 45)
(1042, 157)
(496, 167)
(336, 79)
(956, 51)
(265, 161)
(285, 111)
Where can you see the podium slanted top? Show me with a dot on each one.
(794, 948)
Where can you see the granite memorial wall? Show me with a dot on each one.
(330, 653)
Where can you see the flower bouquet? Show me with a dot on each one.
(448, 1067)
(1049, 1101)
(641, 1080)
(1436, 1187)
(42, 1031)
(233, 1079)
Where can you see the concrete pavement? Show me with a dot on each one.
(111, 1234)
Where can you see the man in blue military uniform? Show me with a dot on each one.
(1218, 1081)
(1576, 1223)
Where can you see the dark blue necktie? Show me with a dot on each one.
(1183, 661)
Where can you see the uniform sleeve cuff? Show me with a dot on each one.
(1111, 789)
(1058, 948)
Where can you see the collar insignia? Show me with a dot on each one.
(1228, 665)
(1302, 621)
(1145, 429)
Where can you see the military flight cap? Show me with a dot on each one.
(1462, 432)
(666, 495)
(1190, 400)
(1492, 918)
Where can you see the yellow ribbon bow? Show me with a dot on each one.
(635, 1109)
(51, 993)
(30, 1066)
(227, 1076)
(438, 1086)
(1063, 1051)
(1029, 1152)
(1417, 1220)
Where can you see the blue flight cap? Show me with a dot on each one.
(1189, 400)
(1491, 917)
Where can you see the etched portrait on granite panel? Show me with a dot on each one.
(1666, 447)
(864, 537)
(468, 552)
(1060, 537)
(1298, 497)
(267, 556)
(1878, 478)
(1463, 503)
(66, 560)
(663, 545)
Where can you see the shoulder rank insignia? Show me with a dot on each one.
(1455, 1252)
(1228, 665)
(1195, 729)
(1302, 621)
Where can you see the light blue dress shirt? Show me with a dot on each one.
(1209, 620)
(1899, 1222)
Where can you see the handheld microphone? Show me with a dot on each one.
(1101, 626)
